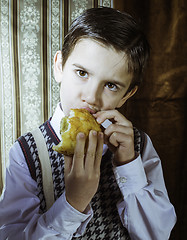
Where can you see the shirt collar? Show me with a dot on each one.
(55, 120)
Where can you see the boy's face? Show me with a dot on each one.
(94, 77)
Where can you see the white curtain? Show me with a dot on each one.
(30, 34)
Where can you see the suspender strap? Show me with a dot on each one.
(45, 167)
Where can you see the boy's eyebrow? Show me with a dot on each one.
(112, 81)
(83, 68)
(118, 83)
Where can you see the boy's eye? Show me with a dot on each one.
(111, 86)
(82, 73)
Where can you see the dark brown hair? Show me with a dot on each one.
(112, 28)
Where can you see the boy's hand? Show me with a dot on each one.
(82, 171)
(119, 136)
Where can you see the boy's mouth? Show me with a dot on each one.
(91, 110)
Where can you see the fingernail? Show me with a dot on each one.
(99, 120)
(94, 133)
(101, 135)
(81, 135)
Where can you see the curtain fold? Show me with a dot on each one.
(159, 107)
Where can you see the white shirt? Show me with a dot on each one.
(145, 210)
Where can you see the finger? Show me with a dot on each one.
(118, 128)
(67, 164)
(78, 157)
(113, 139)
(122, 139)
(91, 150)
(99, 152)
(112, 115)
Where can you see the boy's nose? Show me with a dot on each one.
(91, 95)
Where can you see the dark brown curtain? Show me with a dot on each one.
(159, 107)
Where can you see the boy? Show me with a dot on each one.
(110, 191)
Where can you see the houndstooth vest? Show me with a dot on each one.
(106, 223)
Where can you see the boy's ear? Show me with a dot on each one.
(127, 96)
(58, 66)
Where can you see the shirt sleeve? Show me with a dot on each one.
(19, 208)
(145, 209)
